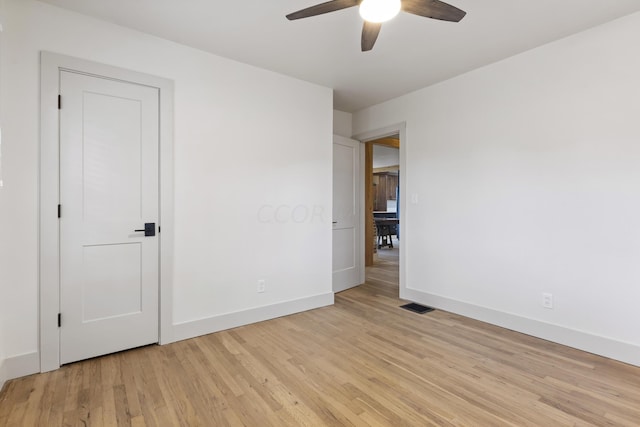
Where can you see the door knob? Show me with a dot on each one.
(149, 229)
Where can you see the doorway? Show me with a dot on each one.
(383, 205)
(399, 130)
(105, 195)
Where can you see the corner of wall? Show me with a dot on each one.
(3, 375)
(342, 123)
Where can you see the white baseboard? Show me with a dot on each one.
(19, 366)
(3, 374)
(195, 328)
(603, 346)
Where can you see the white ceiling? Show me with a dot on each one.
(412, 52)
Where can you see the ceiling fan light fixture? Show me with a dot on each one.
(377, 11)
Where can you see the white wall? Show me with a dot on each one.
(527, 174)
(4, 294)
(4, 297)
(384, 156)
(342, 123)
(247, 142)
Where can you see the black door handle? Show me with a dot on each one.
(149, 229)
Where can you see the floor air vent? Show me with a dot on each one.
(417, 308)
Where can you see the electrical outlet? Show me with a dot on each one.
(547, 300)
(261, 285)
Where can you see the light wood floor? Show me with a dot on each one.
(363, 361)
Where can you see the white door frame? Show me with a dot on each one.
(49, 257)
(401, 130)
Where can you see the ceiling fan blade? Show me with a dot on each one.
(319, 9)
(433, 9)
(370, 33)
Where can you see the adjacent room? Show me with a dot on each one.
(212, 212)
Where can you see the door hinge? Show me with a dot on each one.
(59, 320)
(59, 102)
(59, 211)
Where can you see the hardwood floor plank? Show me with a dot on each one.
(361, 362)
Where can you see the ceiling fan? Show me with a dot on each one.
(375, 12)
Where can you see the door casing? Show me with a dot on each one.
(49, 254)
(364, 137)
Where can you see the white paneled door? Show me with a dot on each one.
(109, 185)
(347, 262)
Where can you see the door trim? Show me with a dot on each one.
(49, 243)
(364, 137)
